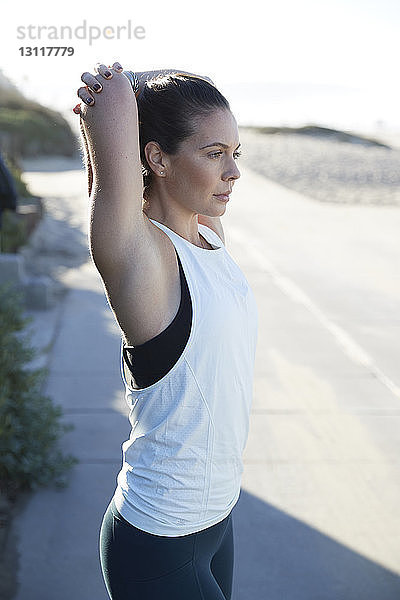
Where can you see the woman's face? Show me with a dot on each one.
(205, 165)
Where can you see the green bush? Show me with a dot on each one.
(13, 232)
(36, 130)
(16, 172)
(29, 128)
(30, 425)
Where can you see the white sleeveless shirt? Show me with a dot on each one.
(182, 464)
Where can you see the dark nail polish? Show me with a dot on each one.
(107, 73)
(89, 100)
(96, 87)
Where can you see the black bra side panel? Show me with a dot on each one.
(149, 362)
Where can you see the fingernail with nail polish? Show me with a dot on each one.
(96, 87)
(89, 100)
(107, 73)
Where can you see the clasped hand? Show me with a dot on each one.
(94, 83)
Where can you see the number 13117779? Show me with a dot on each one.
(46, 51)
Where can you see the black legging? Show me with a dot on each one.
(141, 566)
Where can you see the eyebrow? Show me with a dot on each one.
(218, 144)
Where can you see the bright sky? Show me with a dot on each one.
(340, 54)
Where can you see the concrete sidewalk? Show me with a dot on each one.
(318, 514)
(58, 531)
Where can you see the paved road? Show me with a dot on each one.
(318, 514)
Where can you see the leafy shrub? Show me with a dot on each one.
(27, 128)
(13, 232)
(16, 172)
(37, 130)
(30, 425)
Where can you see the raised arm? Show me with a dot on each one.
(110, 135)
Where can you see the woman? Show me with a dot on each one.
(162, 164)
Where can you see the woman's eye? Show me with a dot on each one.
(219, 153)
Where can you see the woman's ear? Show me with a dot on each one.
(155, 157)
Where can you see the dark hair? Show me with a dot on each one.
(169, 108)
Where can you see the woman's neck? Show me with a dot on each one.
(184, 225)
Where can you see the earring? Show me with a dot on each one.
(161, 172)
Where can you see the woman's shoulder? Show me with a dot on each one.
(145, 294)
(214, 224)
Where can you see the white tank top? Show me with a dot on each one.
(182, 464)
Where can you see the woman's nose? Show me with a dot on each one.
(232, 173)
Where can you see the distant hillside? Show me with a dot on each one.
(322, 133)
(27, 128)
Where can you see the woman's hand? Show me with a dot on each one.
(94, 84)
(110, 93)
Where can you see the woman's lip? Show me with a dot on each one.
(222, 196)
